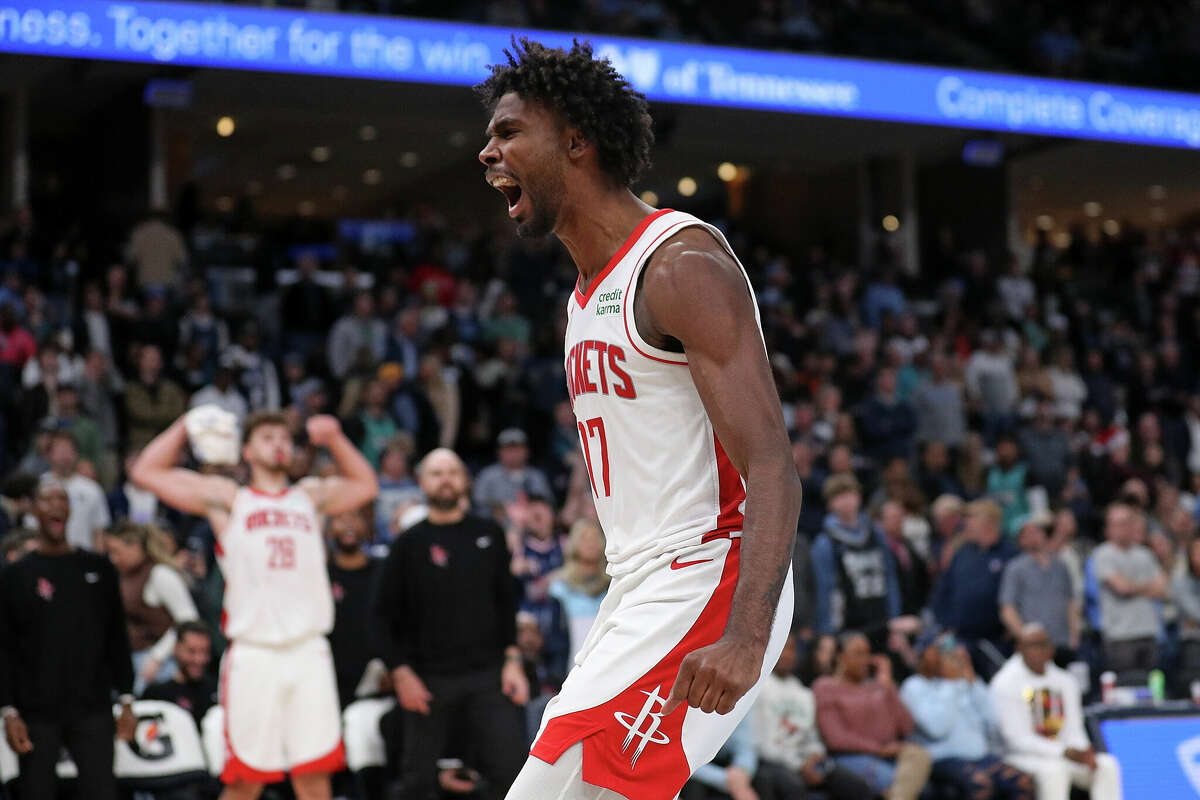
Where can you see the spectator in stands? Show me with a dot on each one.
(1016, 291)
(397, 489)
(83, 430)
(1037, 587)
(98, 387)
(223, 393)
(1101, 389)
(374, 426)
(351, 579)
(1130, 581)
(307, 309)
(886, 424)
(192, 686)
(199, 326)
(864, 723)
(582, 582)
(965, 599)
(1185, 591)
(354, 333)
(155, 595)
(731, 772)
(440, 386)
(935, 477)
(499, 484)
(911, 572)
(955, 722)
(152, 401)
(785, 729)
(133, 503)
(92, 331)
(992, 384)
(89, 508)
(157, 251)
(16, 503)
(63, 652)
(257, 378)
(855, 573)
(1070, 392)
(16, 343)
(1041, 722)
(1006, 482)
(445, 610)
(947, 514)
(1047, 451)
(537, 550)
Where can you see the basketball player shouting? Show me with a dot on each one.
(277, 679)
(681, 430)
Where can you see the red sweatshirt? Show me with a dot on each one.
(859, 717)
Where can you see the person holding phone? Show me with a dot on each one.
(955, 721)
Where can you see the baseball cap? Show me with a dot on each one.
(511, 436)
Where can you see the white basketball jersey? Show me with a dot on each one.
(660, 479)
(272, 555)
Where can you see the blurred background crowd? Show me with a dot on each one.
(995, 412)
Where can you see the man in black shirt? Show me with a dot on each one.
(445, 610)
(191, 688)
(351, 578)
(63, 651)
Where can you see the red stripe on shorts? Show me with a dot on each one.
(628, 746)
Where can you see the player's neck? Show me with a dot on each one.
(594, 231)
(268, 482)
(356, 559)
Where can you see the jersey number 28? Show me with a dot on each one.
(283, 552)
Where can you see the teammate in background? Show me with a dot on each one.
(680, 427)
(277, 679)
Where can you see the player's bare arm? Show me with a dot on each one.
(185, 490)
(694, 293)
(355, 486)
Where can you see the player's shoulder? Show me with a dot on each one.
(691, 260)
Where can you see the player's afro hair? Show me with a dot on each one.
(588, 93)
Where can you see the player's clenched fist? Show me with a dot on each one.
(714, 678)
(322, 429)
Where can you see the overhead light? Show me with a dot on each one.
(1092, 208)
(372, 176)
(225, 127)
(340, 192)
(1045, 222)
(650, 198)
(1111, 227)
(1157, 192)
(1061, 240)
(686, 186)
(321, 154)
(224, 204)
(367, 133)
(254, 188)
(891, 223)
(307, 208)
(727, 172)
(458, 139)
(409, 159)
(285, 172)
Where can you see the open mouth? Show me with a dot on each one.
(511, 190)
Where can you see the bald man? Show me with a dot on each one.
(1041, 721)
(445, 614)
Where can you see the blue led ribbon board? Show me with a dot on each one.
(390, 48)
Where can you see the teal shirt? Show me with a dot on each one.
(1007, 487)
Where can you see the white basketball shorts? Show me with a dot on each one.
(281, 711)
(613, 698)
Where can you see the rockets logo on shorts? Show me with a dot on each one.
(647, 716)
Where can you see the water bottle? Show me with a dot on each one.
(1157, 683)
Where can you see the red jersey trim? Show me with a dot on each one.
(261, 493)
(732, 492)
(660, 772)
(581, 297)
